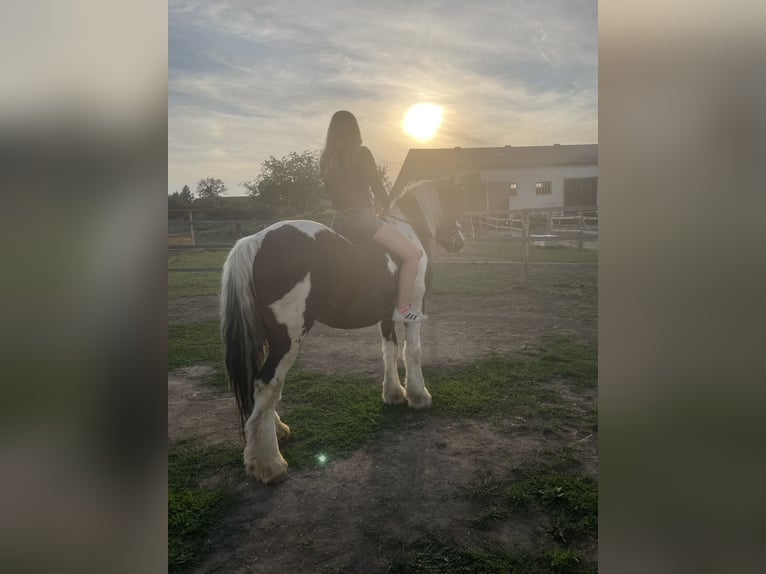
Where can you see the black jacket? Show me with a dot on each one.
(351, 186)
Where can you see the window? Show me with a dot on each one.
(543, 188)
(512, 188)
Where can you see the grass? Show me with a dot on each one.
(332, 416)
(492, 384)
(326, 421)
(182, 284)
(191, 284)
(550, 491)
(328, 424)
(552, 485)
(448, 278)
(483, 279)
(198, 258)
(435, 556)
(513, 250)
(489, 279)
(553, 492)
(197, 504)
(197, 344)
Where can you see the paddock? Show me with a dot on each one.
(511, 362)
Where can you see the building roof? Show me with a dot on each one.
(430, 163)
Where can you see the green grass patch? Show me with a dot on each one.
(513, 250)
(196, 512)
(475, 278)
(575, 363)
(553, 485)
(492, 278)
(197, 344)
(449, 278)
(220, 233)
(331, 416)
(434, 556)
(551, 491)
(505, 386)
(334, 415)
(199, 258)
(193, 284)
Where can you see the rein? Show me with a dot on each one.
(448, 241)
(394, 217)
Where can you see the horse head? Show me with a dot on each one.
(451, 193)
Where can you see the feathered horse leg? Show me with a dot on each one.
(418, 396)
(393, 392)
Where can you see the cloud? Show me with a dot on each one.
(252, 80)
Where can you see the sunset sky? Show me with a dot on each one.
(250, 80)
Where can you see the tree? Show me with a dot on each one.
(181, 200)
(174, 201)
(186, 195)
(210, 187)
(383, 175)
(290, 185)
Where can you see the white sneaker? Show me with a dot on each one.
(409, 316)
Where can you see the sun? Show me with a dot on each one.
(422, 120)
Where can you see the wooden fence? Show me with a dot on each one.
(536, 226)
(569, 221)
(542, 227)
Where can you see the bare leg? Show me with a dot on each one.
(390, 238)
(393, 392)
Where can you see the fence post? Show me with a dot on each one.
(525, 226)
(191, 228)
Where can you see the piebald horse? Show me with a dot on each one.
(279, 281)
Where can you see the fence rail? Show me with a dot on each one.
(543, 227)
(539, 227)
(579, 220)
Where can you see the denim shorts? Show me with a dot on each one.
(357, 223)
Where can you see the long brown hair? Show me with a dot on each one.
(344, 141)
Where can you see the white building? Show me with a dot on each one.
(515, 177)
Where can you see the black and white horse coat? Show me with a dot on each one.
(281, 280)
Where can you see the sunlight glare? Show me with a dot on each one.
(422, 120)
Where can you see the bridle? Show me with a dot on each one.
(453, 241)
(450, 242)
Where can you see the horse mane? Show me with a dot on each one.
(419, 203)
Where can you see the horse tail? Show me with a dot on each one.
(243, 333)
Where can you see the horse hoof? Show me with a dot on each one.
(395, 400)
(420, 403)
(267, 474)
(277, 479)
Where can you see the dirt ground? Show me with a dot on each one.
(350, 515)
